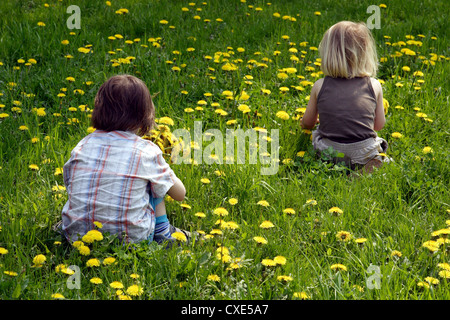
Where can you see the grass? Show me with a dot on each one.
(396, 209)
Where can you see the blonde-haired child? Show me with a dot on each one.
(348, 100)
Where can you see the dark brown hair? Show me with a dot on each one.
(123, 103)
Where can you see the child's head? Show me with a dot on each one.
(348, 50)
(123, 103)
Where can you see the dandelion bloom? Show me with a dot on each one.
(87, 238)
(10, 273)
(260, 240)
(268, 263)
(444, 274)
(263, 203)
(338, 267)
(96, 280)
(232, 201)
(185, 206)
(3, 250)
(360, 240)
(220, 211)
(179, 236)
(427, 150)
(289, 211)
(423, 284)
(84, 250)
(432, 280)
(280, 260)
(200, 215)
(335, 210)
(98, 224)
(311, 202)
(301, 295)
(33, 167)
(214, 277)
(431, 245)
(444, 266)
(135, 290)
(266, 225)
(39, 259)
(282, 115)
(93, 263)
(57, 296)
(396, 253)
(116, 285)
(283, 278)
(397, 135)
(109, 260)
(343, 236)
(205, 180)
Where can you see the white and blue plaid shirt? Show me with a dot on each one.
(109, 178)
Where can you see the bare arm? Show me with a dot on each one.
(177, 191)
(380, 119)
(309, 119)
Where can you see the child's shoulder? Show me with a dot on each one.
(376, 85)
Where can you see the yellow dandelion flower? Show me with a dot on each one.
(432, 280)
(396, 253)
(343, 236)
(397, 135)
(33, 167)
(39, 259)
(84, 250)
(135, 290)
(98, 224)
(335, 211)
(260, 240)
(268, 263)
(205, 180)
(266, 224)
(109, 260)
(220, 211)
(179, 236)
(93, 263)
(444, 274)
(280, 260)
(214, 277)
(263, 203)
(284, 278)
(301, 295)
(338, 267)
(57, 296)
(10, 273)
(96, 280)
(116, 285)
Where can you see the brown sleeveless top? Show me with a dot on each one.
(346, 109)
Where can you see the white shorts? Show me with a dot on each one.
(359, 152)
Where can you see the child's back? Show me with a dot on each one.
(107, 179)
(347, 109)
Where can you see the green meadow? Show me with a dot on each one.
(312, 230)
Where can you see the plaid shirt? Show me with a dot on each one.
(109, 178)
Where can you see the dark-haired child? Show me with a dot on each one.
(114, 176)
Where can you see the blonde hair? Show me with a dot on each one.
(348, 50)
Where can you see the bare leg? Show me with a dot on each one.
(160, 209)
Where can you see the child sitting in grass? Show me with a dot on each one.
(116, 177)
(348, 101)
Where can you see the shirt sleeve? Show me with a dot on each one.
(157, 171)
